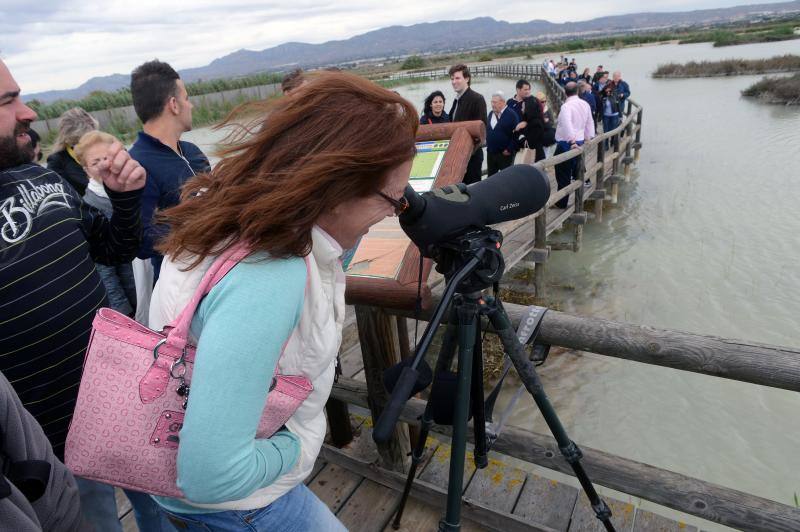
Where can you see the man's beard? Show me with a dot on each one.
(11, 153)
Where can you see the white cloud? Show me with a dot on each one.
(60, 44)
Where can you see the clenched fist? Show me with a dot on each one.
(119, 172)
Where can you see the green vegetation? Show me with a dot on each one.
(413, 62)
(204, 114)
(728, 67)
(784, 90)
(485, 57)
(745, 35)
(99, 100)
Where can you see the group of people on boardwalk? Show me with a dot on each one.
(525, 122)
(521, 122)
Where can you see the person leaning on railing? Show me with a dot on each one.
(304, 186)
(575, 126)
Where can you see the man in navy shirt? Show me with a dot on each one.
(501, 144)
(162, 104)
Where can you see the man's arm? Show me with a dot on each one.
(588, 128)
(59, 506)
(116, 241)
(480, 112)
(512, 120)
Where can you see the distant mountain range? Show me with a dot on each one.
(433, 37)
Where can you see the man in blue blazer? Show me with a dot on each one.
(501, 143)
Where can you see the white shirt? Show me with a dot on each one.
(575, 122)
(496, 117)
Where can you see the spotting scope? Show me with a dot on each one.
(444, 213)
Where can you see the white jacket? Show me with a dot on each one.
(310, 351)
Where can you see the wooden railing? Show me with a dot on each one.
(605, 165)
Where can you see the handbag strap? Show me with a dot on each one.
(178, 334)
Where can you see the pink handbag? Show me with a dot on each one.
(132, 397)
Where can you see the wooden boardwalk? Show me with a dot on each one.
(502, 497)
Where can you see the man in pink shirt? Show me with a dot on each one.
(575, 125)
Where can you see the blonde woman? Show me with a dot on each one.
(72, 125)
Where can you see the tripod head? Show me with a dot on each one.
(482, 244)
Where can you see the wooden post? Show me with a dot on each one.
(540, 241)
(600, 180)
(628, 160)
(405, 352)
(377, 333)
(615, 170)
(638, 135)
(581, 176)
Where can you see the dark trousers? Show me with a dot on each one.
(497, 161)
(540, 155)
(564, 171)
(610, 123)
(474, 167)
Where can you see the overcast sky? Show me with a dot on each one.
(51, 44)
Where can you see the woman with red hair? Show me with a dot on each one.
(303, 181)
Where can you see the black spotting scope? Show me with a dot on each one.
(441, 214)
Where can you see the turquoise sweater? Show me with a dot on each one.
(241, 326)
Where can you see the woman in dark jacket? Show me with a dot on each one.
(72, 125)
(532, 124)
(433, 109)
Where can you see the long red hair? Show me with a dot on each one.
(334, 138)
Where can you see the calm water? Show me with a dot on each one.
(704, 239)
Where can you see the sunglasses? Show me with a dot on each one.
(399, 205)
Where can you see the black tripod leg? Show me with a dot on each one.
(443, 362)
(530, 378)
(478, 412)
(467, 331)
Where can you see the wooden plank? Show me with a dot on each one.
(437, 470)
(351, 361)
(546, 501)
(319, 464)
(556, 217)
(419, 516)
(693, 496)
(497, 486)
(362, 448)
(123, 504)
(334, 485)
(369, 508)
(421, 490)
(584, 520)
(645, 521)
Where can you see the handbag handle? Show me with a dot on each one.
(178, 334)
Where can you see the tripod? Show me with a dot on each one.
(472, 263)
